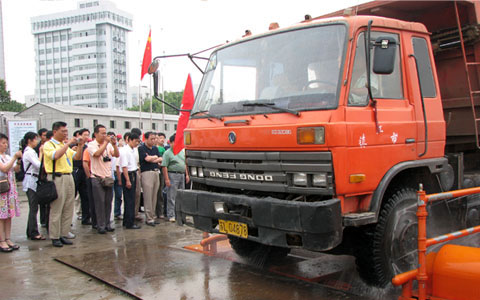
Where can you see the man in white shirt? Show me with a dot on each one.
(128, 165)
(117, 186)
(31, 166)
(138, 188)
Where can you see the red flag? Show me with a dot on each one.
(187, 103)
(147, 56)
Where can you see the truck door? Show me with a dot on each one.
(370, 150)
(431, 98)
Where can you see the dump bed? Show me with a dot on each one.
(440, 19)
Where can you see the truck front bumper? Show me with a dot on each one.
(315, 226)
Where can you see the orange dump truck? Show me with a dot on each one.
(294, 143)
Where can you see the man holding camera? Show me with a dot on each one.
(61, 209)
(101, 151)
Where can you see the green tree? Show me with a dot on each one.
(6, 103)
(12, 106)
(174, 98)
(4, 94)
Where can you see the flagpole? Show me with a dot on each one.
(163, 105)
(147, 60)
(151, 102)
(139, 103)
(151, 78)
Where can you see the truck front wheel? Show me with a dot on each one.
(390, 246)
(257, 253)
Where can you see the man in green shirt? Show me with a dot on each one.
(175, 173)
(160, 209)
(160, 141)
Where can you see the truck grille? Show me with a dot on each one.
(262, 171)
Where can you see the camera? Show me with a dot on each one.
(106, 159)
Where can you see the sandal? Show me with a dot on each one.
(12, 246)
(38, 238)
(5, 249)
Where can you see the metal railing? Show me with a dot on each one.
(420, 274)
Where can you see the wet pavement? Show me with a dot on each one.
(152, 263)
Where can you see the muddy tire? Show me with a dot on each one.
(390, 246)
(257, 253)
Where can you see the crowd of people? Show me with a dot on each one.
(90, 172)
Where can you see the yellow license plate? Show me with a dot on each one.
(233, 228)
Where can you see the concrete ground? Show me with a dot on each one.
(152, 264)
(31, 272)
(167, 271)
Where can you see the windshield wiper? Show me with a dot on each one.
(205, 113)
(273, 106)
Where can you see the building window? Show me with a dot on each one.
(141, 125)
(154, 126)
(95, 123)
(78, 123)
(127, 125)
(166, 126)
(175, 127)
(112, 124)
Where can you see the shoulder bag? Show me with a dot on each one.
(4, 184)
(46, 190)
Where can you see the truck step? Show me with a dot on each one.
(357, 219)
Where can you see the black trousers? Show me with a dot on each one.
(91, 203)
(32, 224)
(82, 188)
(160, 208)
(129, 200)
(44, 209)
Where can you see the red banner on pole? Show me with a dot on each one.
(147, 56)
(187, 103)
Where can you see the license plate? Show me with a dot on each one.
(233, 228)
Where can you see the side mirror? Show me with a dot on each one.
(384, 55)
(153, 70)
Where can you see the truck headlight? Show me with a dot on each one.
(311, 135)
(200, 172)
(193, 171)
(300, 179)
(319, 180)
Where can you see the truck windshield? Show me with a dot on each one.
(295, 70)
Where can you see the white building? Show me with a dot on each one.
(81, 56)
(30, 100)
(145, 94)
(2, 55)
(118, 121)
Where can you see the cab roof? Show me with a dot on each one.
(353, 22)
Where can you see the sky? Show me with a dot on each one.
(178, 26)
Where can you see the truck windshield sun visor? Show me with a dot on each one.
(287, 71)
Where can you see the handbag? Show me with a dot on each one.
(46, 190)
(106, 182)
(4, 184)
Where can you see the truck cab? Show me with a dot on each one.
(294, 143)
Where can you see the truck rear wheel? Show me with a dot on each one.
(389, 247)
(257, 253)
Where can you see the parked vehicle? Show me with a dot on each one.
(294, 142)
